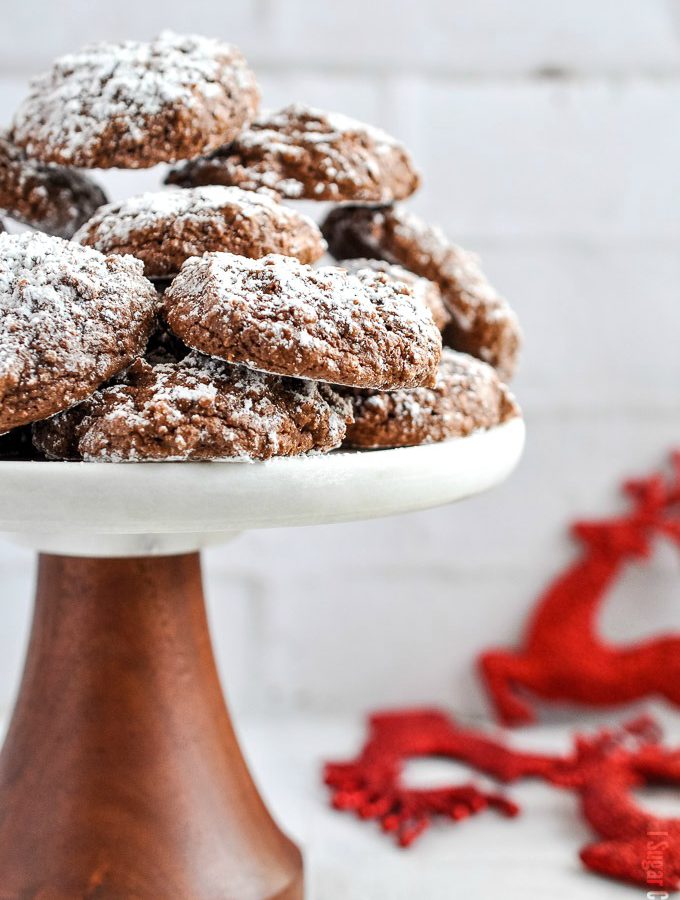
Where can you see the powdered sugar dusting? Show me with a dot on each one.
(482, 322)
(200, 408)
(280, 316)
(69, 318)
(424, 290)
(459, 266)
(312, 125)
(117, 223)
(73, 105)
(54, 199)
(468, 396)
(305, 152)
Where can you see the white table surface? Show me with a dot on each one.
(532, 856)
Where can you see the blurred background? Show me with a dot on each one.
(549, 138)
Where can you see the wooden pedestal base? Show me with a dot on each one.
(121, 776)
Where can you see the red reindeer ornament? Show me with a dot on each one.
(371, 785)
(634, 845)
(563, 656)
(603, 770)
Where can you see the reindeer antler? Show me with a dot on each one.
(657, 494)
(653, 499)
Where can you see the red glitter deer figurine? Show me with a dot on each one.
(563, 656)
(605, 770)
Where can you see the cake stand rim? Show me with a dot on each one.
(49, 504)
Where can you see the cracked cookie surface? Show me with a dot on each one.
(276, 315)
(51, 198)
(482, 322)
(135, 104)
(305, 153)
(70, 318)
(424, 290)
(164, 228)
(468, 396)
(199, 408)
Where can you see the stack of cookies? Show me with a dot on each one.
(195, 322)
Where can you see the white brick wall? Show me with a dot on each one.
(549, 134)
(488, 38)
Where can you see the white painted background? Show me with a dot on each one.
(549, 135)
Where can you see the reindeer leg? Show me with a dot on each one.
(499, 671)
(634, 860)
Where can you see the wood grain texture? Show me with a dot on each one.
(121, 776)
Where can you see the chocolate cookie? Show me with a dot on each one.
(467, 397)
(50, 198)
(166, 227)
(424, 290)
(302, 152)
(133, 105)
(70, 318)
(276, 315)
(200, 408)
(482, 322)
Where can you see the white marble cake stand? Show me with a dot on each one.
(120, 775)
